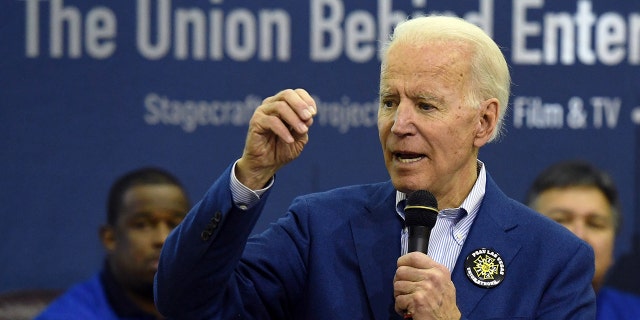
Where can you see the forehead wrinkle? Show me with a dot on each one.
(417, 87)
(424, 95)
(449, 70)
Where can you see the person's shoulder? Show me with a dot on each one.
(351, 199)
(531, 226)
(513, 212)
(84, 300)
(611, 293)
(81, 291)
(355, 191)
(617, 304)
(545, 227)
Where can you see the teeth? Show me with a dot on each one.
(408, 160)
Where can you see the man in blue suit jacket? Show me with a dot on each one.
(342, 254)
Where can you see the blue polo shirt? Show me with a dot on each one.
(614, 304)
(100, 297)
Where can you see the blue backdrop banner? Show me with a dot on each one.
(91, 89)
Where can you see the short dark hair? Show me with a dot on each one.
(576, 173)
(137, 177)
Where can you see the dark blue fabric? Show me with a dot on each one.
(90, 300)
(333, 256)
(614, 304)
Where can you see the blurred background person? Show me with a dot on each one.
(584, 199)
(144, 205)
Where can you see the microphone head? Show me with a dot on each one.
(421, 209)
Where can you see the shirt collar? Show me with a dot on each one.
(471, 203)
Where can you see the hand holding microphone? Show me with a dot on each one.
(422, 286)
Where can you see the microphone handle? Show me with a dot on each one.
(418, 239)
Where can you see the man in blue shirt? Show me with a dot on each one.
(584, 199)
(143, 207)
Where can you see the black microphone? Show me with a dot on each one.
(420, 213)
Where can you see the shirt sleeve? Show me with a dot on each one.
(243, 197)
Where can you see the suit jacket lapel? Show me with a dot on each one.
(490, 230)
(376, 235)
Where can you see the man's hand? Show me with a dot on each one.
(278, 131)
(423, 288)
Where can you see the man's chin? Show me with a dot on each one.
(144, 290)
(405, 185)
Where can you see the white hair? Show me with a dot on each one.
(489, 70)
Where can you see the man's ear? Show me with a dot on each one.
(108, 237)
(488, 112)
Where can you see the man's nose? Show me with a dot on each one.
(161, 233)
(579, 229)
(404, 118)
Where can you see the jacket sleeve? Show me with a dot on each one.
(199, 256)
(211, 269)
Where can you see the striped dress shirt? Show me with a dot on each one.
(452, 225)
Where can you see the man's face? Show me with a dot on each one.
(148, 214)
(587, 213)
(429, 134)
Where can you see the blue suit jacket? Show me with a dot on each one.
(333, 256)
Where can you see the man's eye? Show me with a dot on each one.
(561, 220)
(598, 224)
(388, 104)
(426, 106)
(140, 224)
